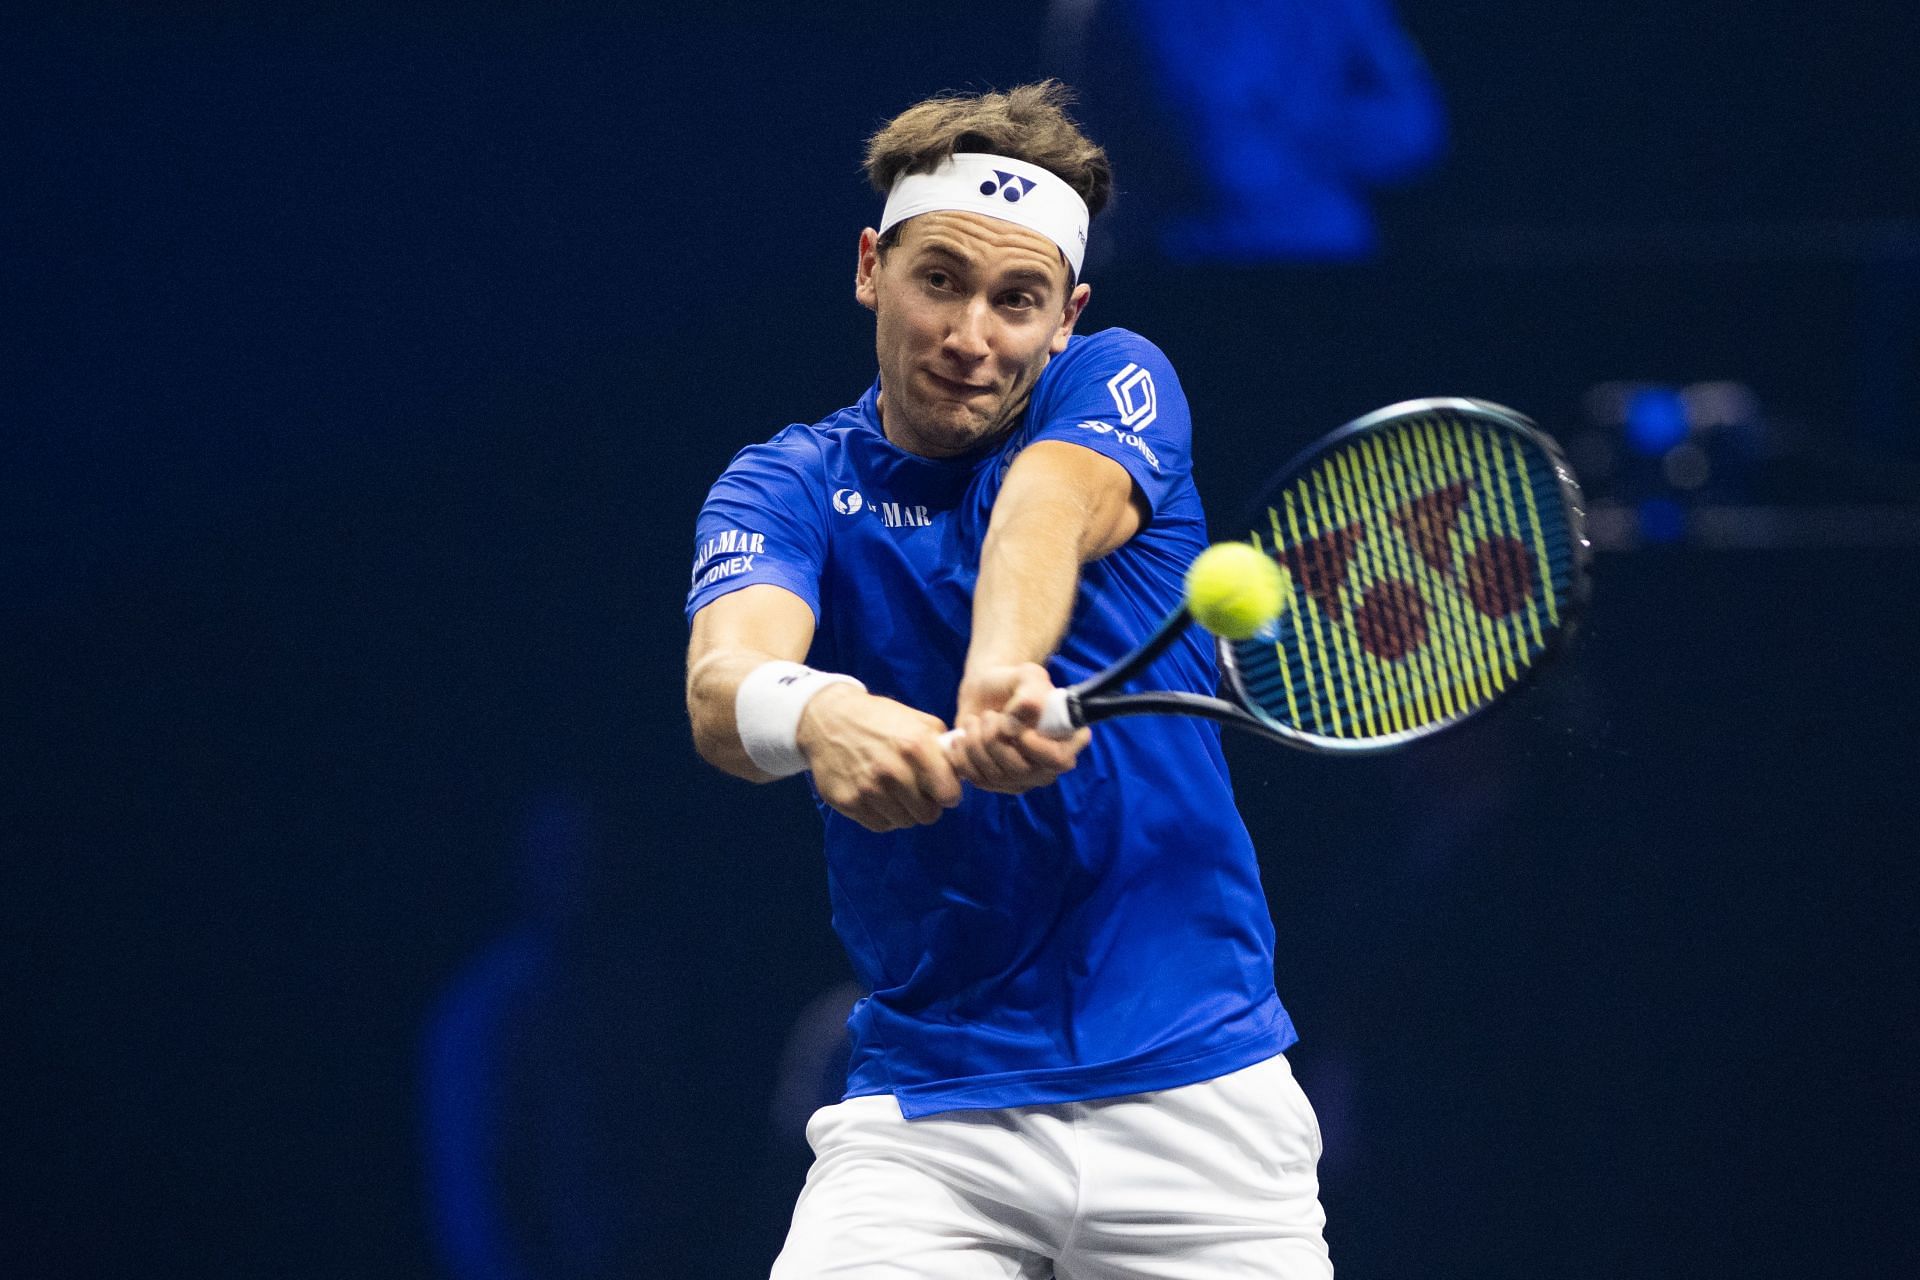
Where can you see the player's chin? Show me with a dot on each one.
(957, 427)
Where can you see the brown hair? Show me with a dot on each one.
(1028, 123)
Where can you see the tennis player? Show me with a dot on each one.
(1071, 1060)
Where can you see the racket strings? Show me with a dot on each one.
(1384, 623)
(1481, 658)
(1431, 503)
(1430, 561)
(1428, 696)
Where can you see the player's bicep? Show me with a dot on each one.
(1094, 492)
(761, 524)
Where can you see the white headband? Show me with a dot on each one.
(998, 187)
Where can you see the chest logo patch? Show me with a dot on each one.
(903, 515)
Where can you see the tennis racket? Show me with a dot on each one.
(1438, 556)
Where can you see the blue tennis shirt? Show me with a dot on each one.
(1102, 936)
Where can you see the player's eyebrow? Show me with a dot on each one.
(1028, 276)
(950, 252)
(1021, 275)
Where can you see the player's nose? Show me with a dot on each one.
(967, 333)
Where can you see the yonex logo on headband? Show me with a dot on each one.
(1010, 185)
(968, 182)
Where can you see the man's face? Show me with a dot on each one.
(969, 309)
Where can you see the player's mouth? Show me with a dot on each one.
(958, 390)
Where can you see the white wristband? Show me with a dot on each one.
(766, 711)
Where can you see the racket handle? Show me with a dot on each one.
(1056, 720)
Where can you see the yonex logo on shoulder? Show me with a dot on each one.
(1127, 438)
(1009, 186)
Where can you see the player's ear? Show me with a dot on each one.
(864, 292)
(1076, 303)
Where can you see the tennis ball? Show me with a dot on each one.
(1234, 589)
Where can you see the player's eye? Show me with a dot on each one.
(939, 280)
(1018, 301)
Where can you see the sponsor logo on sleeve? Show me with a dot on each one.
(727, 554)
(848, 501)
(1127, 438)
(1133, 394)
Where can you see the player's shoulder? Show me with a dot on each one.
(801, 448)
(1113, 362)
(1109, 350)
(1113, 374)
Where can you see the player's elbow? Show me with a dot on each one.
(1112, 522)
(719, 745)
(710, 713)
(708, 742)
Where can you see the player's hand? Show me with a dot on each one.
(875, 760)
(999, 747)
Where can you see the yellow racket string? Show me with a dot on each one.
(1336, 679)
(1354, 703)
(1487, 516)
(1345, 660)
(1524, 527)
(1292, 610)
(1395, 463)
(1454, 645)
(1386, 683)
(1307, 621)
(1421, 569)
(1539, 542)
(1432, 698)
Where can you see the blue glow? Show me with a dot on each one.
(1662, 520)
(1291, 116)
(1656, 420)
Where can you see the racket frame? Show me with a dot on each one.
(1086, 705)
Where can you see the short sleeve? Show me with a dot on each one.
(1116, 393)
(761, 522)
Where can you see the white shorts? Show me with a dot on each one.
(1204, 1182)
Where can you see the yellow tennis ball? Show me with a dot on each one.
(1234, 589)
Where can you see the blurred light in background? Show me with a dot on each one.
(1656, 420)
(1708, 465)
(1276, 120)
(1662, 520)
(1653, 439)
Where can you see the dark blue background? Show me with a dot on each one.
(366, 366)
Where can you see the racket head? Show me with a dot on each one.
(1438, 555)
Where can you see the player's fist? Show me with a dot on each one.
(875, 760)
(1000, 746)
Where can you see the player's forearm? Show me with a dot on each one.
(1061, 506)
(733, 637)
(713, 686)
(1029, 572)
